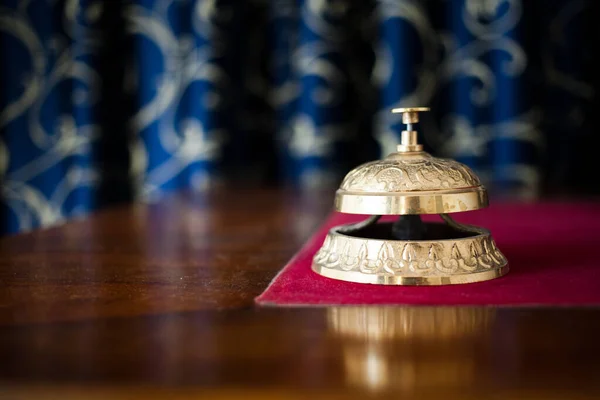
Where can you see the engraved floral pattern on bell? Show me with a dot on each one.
(408, 258)
(397, 175)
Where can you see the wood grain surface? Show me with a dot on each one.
(154, 301)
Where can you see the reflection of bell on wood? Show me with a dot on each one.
(387, 348)
(409, 251)
(422, 323)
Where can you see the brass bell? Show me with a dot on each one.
(408, 251)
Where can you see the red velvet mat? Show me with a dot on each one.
(552, 250)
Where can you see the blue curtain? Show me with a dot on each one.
(105, 101)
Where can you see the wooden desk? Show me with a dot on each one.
(152, 301)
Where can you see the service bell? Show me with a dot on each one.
(408, 251)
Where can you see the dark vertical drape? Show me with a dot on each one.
(106, 101)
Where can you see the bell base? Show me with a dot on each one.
(449, 255)
(383, 279)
